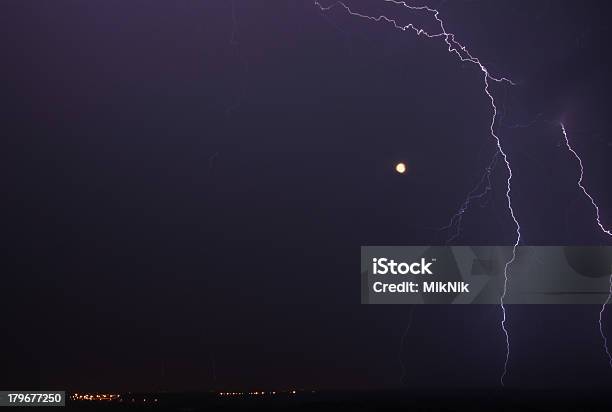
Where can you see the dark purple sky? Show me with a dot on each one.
(183, 189)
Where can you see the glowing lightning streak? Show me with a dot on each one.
(601, 331)
(603, 229)
(465, 56)
(473, 195)
(569, 147)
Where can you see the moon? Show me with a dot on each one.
(400, 168)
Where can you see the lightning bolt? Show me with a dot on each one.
(603, 229)
(464, 55)
(581, 186)
(601, 331)
(474, 194)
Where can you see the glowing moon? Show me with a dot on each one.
(400, 168)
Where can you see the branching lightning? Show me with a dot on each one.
(464, 55)
(603, 229)
(482, 188)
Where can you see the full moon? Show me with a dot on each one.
(400, 168)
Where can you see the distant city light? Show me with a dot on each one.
(101, 397)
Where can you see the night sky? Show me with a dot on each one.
(187, 185)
